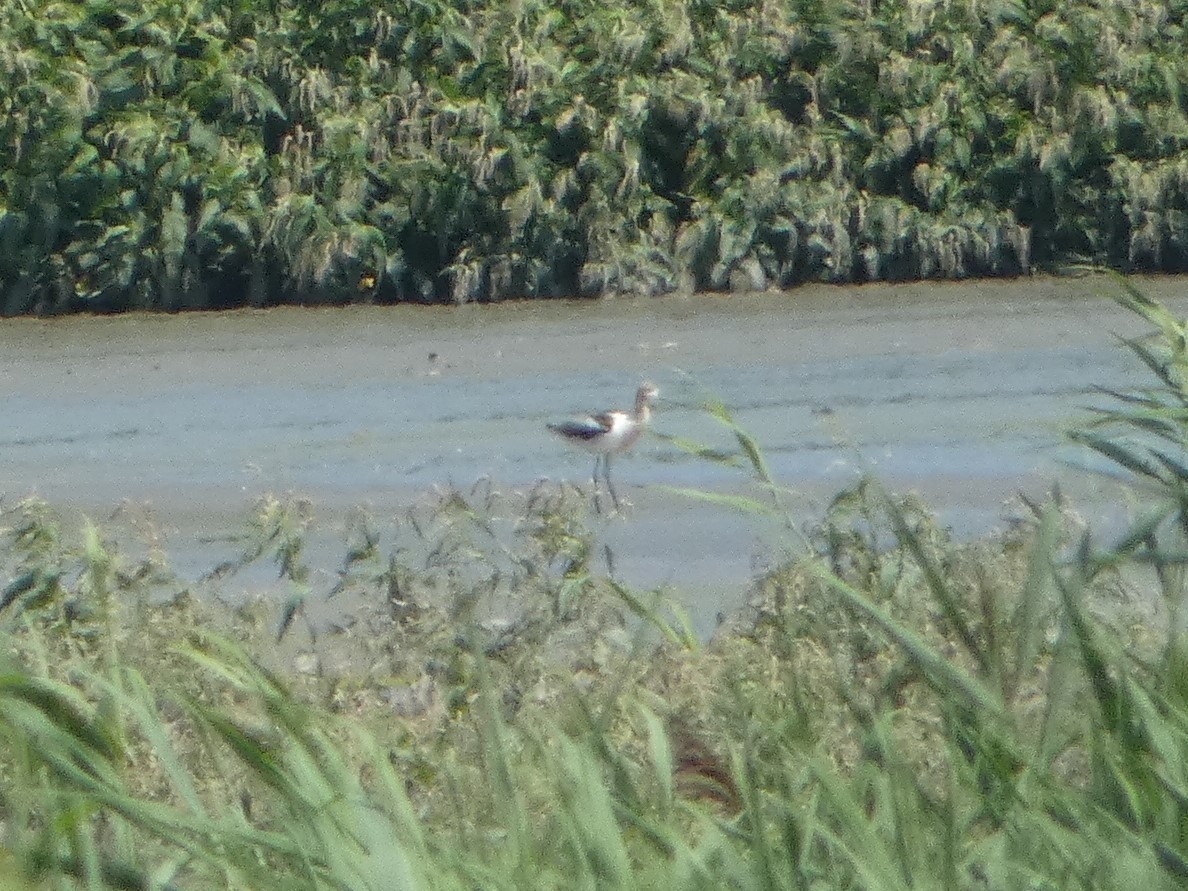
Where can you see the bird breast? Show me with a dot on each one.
(621, 432)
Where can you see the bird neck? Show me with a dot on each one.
(643, 409)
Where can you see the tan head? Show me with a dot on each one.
(644, 397)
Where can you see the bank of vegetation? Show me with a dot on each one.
(894, 710)
(201, 154)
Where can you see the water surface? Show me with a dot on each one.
(959, 391)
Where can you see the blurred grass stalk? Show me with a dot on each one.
(903, 713)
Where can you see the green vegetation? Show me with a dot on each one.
(200, 154)
(894, 710)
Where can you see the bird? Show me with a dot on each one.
(609, 433)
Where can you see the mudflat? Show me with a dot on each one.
(960, 391)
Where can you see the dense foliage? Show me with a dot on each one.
(179, 154)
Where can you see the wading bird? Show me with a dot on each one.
(609, 433)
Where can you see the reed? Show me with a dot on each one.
(196, 156)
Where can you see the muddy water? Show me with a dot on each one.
(958, 391)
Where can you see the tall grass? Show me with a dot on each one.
(893, 711)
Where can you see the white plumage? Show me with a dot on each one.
(609, 433)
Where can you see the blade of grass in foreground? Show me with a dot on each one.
(948, 680)
(752, 457)
(507, 798)
(740, 503)
(139, 700)
(699, 451)
(945, 597)
(854, 835)
(586, 819)
(341, 836)
(1138, 731)
(750, 448)
(1028, 628)
(679, 632)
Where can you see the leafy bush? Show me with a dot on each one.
(198, 155)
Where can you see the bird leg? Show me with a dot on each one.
(597, 501)
(606, 475)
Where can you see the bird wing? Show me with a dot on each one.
(584, 428)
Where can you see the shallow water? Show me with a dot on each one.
(960, 391)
